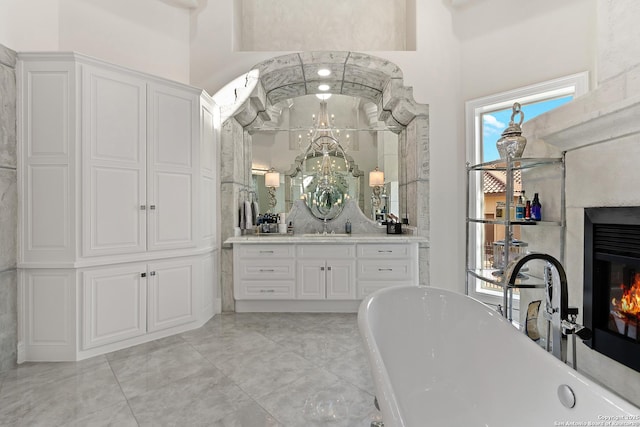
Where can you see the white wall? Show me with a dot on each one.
(29, 24)
(618, 47)
(508, 44)
(146, 35)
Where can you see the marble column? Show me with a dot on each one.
(8, 210)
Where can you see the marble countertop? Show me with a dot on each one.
(315, 238)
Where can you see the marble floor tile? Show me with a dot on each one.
(200, 399)
(62, 401)
(144, 372)
(238, 370)
(251, 415)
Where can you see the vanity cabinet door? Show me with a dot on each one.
(341, 279)
(311, 279)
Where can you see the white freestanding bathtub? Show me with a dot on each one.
(444, 359)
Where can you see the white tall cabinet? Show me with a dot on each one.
(117, 197)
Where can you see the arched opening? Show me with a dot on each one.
(252, 102)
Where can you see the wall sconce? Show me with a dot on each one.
(376, 178)
(272, 181)
(376, 181)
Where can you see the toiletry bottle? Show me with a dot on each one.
(290, 228)
(536, 208)
(347, 227)
(527, 210)
(520, 206)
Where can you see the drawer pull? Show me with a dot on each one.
(266, 252)
(384, 251)
(266, 270)
(267, 291)
(385, 269)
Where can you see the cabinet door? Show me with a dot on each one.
(341, 279)
(114, 146)
(115, 301)
(171, 293)
(311, 281)
(172, 179)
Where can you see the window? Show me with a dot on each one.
(486, 119)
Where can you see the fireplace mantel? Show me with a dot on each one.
(607, 113)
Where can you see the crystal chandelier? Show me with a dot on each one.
(324, 140)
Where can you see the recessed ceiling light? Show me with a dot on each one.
(324, 87)
(324, 72)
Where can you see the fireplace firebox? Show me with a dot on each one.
(612, 282)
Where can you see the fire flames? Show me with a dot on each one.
(629, 303)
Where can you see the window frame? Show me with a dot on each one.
(574, 84)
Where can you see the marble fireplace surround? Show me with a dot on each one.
(289, 76)
(600, 134)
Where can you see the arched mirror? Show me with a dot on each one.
(324, 150)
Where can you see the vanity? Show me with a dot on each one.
(319, 273)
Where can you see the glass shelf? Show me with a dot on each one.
(493, 276)
(515, 222)
(517, 164)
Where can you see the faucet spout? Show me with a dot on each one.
(556, 310)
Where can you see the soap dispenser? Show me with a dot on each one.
(347, 227)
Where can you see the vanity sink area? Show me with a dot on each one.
(313, 272)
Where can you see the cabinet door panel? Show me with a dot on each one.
(341, 279)
(114, 171)
(170, 217)
(115, 223)
(114, 305)
(171, 294)
(173, 144)
(311, 279)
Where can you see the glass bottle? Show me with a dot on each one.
(536, 208)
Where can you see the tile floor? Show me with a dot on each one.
(246, 370)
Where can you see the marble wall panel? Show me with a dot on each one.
(7, 116)
(8, 218)
(8, 210)
(8, 319)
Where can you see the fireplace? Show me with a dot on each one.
(612, 282)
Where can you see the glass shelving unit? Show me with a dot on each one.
(476, 268)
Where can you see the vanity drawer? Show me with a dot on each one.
(266, 269)
(386, 270)
(266, 289)
(326, 251)
(388, 250)
(265, 251)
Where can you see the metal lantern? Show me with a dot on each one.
(511, 144)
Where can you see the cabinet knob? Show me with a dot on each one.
(143, 207)
(152, 273)
(152, 207)
(329, 268)
(143, 274)
(321, 268)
